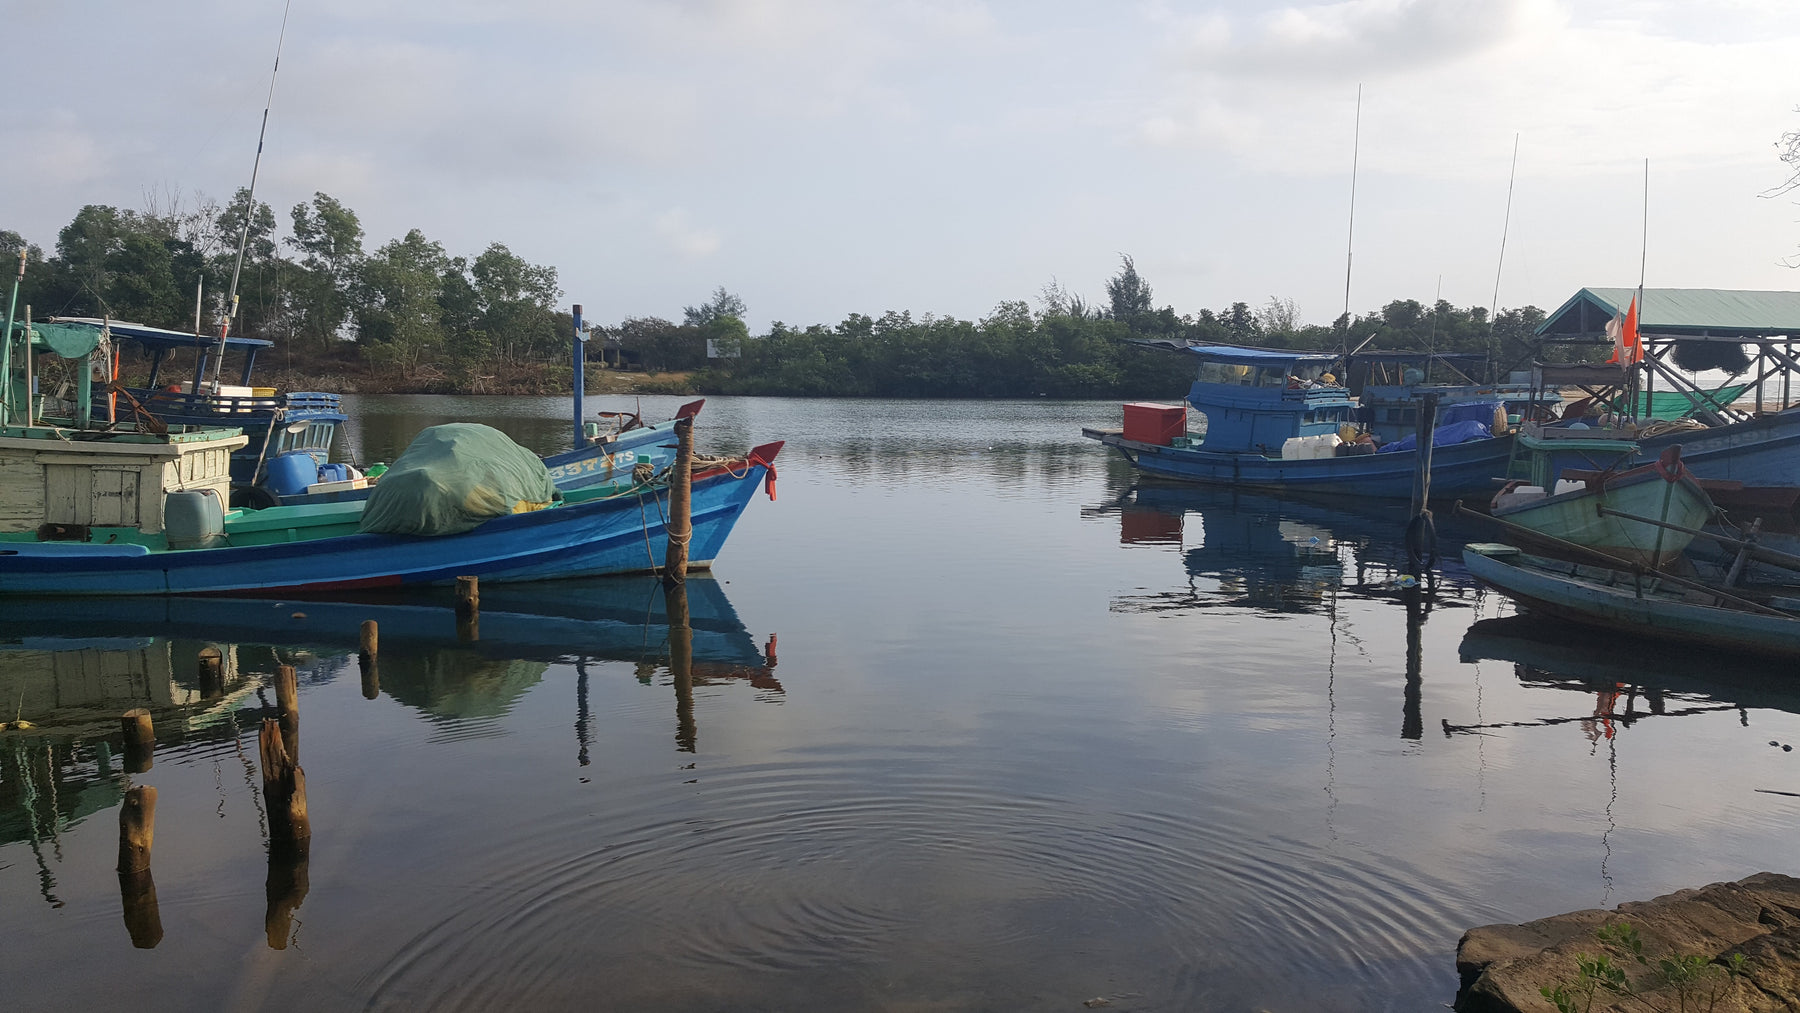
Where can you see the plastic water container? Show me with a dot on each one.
(334, 473)
(192, 518)
(1568, 485)
(290, 474)
(1294, 449)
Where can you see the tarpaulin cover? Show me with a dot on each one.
(453, 477)
(1442, 436)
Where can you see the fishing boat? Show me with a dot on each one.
(1656, 606)
(136, 506)
(291, 550)
(1641, 515)
(1275, 419)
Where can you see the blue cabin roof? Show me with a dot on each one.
(159, 338)
(1244, 355)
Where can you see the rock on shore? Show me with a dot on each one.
(1503, 966)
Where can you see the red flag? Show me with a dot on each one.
(1633, 352)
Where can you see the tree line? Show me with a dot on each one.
(409, 309)
(1070, 347)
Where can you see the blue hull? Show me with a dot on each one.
(1463, 469)
(620, 534)
(612, 617)
(1763, 451)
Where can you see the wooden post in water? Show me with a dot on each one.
(212, 673)
(681, 492)
(1421, 528)
(287, 705)
(468, 609)
(140, 740)
(284, 786)
(681, 664)
(137, 829)
(371, 675)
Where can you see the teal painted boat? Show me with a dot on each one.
(1585, 507)
(1642, 605)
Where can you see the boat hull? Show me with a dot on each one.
(1572, 517)
(1762, 451)
(1621, 609)
(618, 534)
(1458, 470)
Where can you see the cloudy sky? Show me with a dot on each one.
(823, 157)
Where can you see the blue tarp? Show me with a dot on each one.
(1239, 355)
(1444, 436)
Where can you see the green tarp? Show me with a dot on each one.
(453, 477)
(1672, 405)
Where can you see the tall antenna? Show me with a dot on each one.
(1505, 226)
(1644, 256)
(250, 202)
(1350, 240)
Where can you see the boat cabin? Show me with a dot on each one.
(1256, 399)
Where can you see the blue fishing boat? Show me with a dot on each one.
(608, 534)
(1275, 419)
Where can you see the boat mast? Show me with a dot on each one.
(1505, 225)
(1350, 239)
(249, 204)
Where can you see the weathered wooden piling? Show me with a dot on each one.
(137, 901)
(366, 660)
(287, 706)
(137, 828)
(140, 740)
(1421, 527)
(468, 609)
(681, 499)
(212, 673)
(284, 786)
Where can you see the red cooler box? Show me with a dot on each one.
(1155, 423)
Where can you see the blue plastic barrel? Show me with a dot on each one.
(290, 474)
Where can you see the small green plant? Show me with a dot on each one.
(1698, 981)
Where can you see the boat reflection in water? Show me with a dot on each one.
(70, 761)
(1628, 684)
(1273, 555)
(1256, 550)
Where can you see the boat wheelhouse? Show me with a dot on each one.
(274, 424)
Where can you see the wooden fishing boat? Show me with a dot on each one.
(1648, 605)
(291, 550)
(1273, 421)
(1602, 509)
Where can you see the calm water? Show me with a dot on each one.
(1026, 736)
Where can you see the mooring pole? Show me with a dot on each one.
(468, 609)
(580, 380)
(140, 740)
(680, 523)
(1421, 529)
(371, 673)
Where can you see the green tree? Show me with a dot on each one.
(518, 304)
(1128, 294)
(329, 237)
(397, 312)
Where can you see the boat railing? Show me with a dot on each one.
(205, 405)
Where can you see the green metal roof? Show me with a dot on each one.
(1695, 312)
